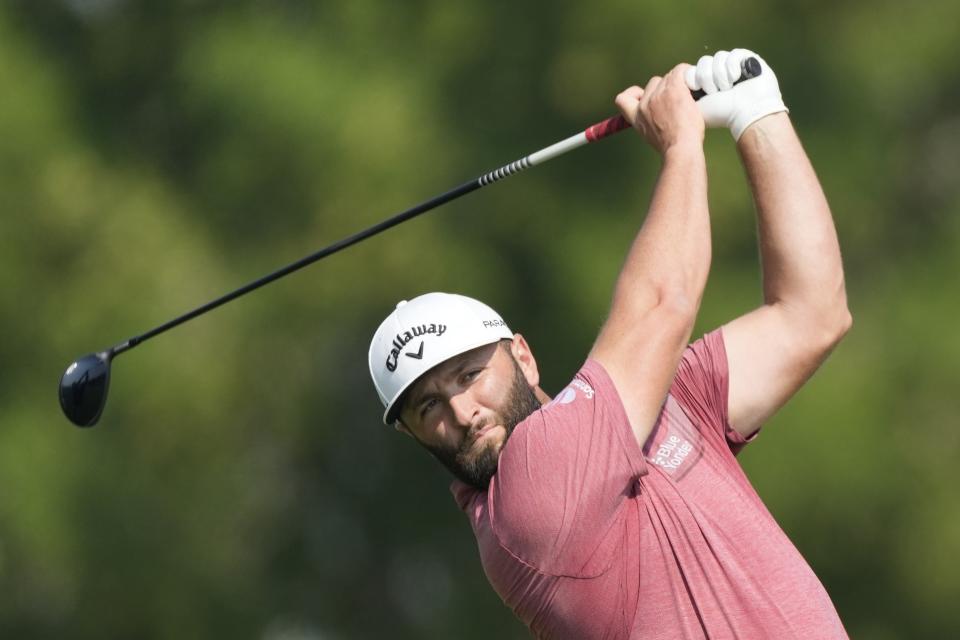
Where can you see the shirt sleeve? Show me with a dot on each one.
(702, 386)
(564, 477)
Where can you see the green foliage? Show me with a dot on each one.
(156, 154)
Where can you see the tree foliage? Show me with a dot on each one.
(156, 154)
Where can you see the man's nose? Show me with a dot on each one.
(465, 409)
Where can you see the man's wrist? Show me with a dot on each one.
(768, 127)
(684, 150)
(744, 122)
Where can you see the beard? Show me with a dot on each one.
(476, 469)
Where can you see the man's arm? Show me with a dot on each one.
(660, 286)
(773, 350)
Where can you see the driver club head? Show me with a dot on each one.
(83, 388)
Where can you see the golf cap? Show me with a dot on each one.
(422, 333)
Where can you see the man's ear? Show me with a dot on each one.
(524, 356)
(402, 428)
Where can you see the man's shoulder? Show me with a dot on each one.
(464, 494)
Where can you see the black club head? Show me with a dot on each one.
(83, 388)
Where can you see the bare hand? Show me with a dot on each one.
(664, 112)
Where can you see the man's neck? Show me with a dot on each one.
(541, 396)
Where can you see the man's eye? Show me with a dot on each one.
(427, 406)
(470, 375)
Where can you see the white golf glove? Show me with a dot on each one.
(729, 105)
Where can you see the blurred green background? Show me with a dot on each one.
(156, 154)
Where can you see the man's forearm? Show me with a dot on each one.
(802, 268)
(671, 254)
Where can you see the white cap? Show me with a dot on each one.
(422, 333)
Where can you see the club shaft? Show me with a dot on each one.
(591, 134)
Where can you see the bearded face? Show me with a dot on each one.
(464, 412)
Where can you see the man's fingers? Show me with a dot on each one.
(681, 69)
(705, 74)
(631, 93)
(690, 76)
(628, 101)
(649, 91)
(735, 59)
(677, 76)
(721, 74)
(635, 103)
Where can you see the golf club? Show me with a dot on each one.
(84, 384)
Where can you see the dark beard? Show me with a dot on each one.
(477, 471)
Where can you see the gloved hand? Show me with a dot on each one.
(726, 105)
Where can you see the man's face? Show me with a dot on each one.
(463, 410)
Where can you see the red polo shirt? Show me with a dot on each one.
(584, 534)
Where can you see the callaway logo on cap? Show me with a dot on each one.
(422, 333)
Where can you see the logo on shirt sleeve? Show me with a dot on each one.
(569, 394)
(583, 386)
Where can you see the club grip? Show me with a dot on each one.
(749, 68)
(607, 127)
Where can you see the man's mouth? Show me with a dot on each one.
(481, 432)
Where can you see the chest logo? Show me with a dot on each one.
(675, 444)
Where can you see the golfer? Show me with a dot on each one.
(617, 509)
